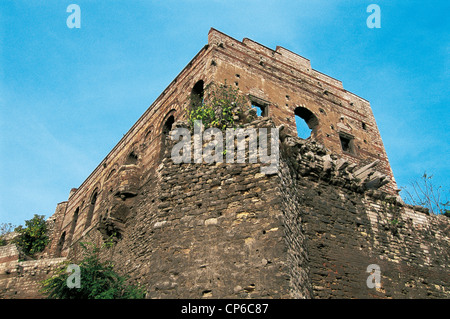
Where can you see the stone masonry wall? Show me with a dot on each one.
(229, 231)
(284, 81)
(281, 79)
(21, 279)
(210, 230)
(348, 229)
(9, 253)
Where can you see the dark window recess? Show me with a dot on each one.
(60, 245)
(347, 143)
(168, 125)
(197, 93)
(131, 159)
(91, 210)
(74, 220)
(364, 126)
(148, 135)
(111, 173)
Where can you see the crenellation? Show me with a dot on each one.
(330, 84)
(258, 48)
(300, 62)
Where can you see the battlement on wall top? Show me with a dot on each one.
(280, 54)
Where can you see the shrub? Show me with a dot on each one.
(218, 107)
(33, 237)
(98, 280)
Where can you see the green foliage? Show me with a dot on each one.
(218, 107)
(98, 279)
(33, 237)
(395, 222)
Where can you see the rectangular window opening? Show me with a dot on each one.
(260, 110)
(260, 105)
(347, 143)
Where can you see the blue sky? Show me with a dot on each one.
(67, 96)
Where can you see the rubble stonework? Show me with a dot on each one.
(20, 278)
(223, 230)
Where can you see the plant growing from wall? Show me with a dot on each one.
(218, 107)
(98, 280)
(33, 237)
(395, 221)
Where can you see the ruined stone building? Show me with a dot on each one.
(225, 230)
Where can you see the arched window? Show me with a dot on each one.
(148, 133)
(111, 173)
(91, 210)
(168, 126)
(74, 221)
(305, 122)
(60, 245)
(73, 225)
(197, 93)
(165, 130)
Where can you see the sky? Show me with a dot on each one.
(68, 95)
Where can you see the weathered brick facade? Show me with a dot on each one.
(226, 230)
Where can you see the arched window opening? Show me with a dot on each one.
(91, 210)
(303, 131)
(168, 125)
(60, 245)
(73, 225)
(197, 93)
(305, 121)
(111, 173)
(74, 220)
(148, 134)
(364, 126)
(132, 159)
